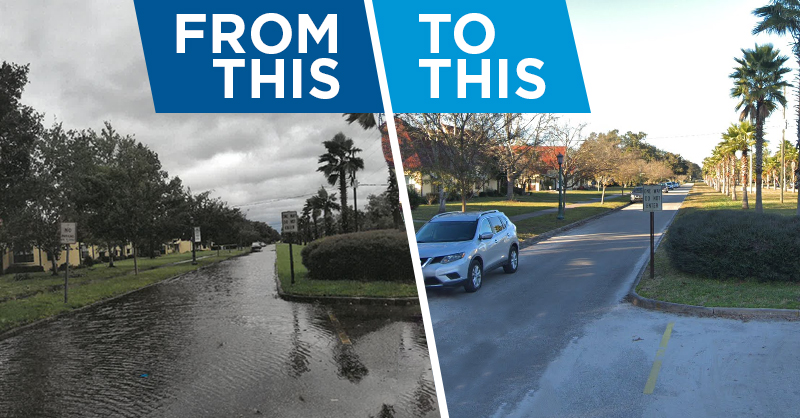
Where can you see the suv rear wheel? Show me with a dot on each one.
(474, 277)
(513, 260)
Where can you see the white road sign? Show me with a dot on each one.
(69, 232)
(197, 234)
(651, 198)
(289, 221)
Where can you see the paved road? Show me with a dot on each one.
(554, 339)
(220, 343)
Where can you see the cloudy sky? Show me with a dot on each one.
(662, 67)
(87, 66)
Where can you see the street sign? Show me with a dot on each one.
(69, 233)
(197, 234)
(651, 198)
(289, 221)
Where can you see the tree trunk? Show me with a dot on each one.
(110, 255)
(745, 180)
(442, 200)
(510, 186)
(135, 261)
(603, 195)
(343, 193)
(463, 200)
(759, 157)
(733, 177)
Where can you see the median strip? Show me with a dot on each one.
(651, 381)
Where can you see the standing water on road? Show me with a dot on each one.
(219, 342)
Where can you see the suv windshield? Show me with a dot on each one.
(449, 231)
(637, 189)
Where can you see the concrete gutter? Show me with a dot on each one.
(340, 300)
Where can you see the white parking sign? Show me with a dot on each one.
(69, 233)
(651, 198)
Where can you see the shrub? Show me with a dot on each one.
(731, 244)
(24, 269)
(381, 255)
(431, 198)
(88, 261)
(414, 199)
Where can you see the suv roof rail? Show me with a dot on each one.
(489, 211)
(443, 214)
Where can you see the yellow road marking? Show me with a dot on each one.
(342, 336)
(651, 381)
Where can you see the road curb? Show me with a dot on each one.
(339, 300)
(702, 311)
(39, 322)
(553, 232)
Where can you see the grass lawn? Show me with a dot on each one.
(531, 227)
(536, 201)
(308, 287)
(671, 285)
(96, 284)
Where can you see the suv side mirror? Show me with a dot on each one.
(485, 236)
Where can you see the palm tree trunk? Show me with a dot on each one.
(745, 205)
(733, 177)
(343, 191)
(759, 163)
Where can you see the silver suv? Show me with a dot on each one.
(456, 248)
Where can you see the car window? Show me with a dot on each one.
(447, 231)
(485, 228)
(497, 224)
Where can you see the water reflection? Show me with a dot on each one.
(219, 343)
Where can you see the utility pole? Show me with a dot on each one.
(783, 160)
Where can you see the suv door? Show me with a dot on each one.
(487, 247)
(502, 237)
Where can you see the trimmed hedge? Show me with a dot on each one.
(724, 244)
(381, 255)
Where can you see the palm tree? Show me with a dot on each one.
(339, 162)
(781, 17)
(758, 84)
(740, 137)
(327, 204)
(366, 120)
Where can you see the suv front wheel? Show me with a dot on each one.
(474, 276)
(513, 260)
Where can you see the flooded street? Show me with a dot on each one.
(220, 343)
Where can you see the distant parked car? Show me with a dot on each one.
(457, 248)
(255, 247)
(636, 194)
(664, 188)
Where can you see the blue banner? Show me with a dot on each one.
(249, 56)
(469, 56)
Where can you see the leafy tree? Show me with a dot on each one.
(20, 126)
(518, 136)
(600, 157)
(758, 84)
(454, 145)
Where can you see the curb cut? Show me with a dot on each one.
(39, 322)
(703, 311)
(553, 232)
(340, 300)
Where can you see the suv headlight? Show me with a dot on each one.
(452, 257)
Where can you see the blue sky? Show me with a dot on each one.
(662, 68)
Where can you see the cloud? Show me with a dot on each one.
(87, 67)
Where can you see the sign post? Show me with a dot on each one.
(651, 202)
(69, 236)
(289, 226)
(195, 240)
